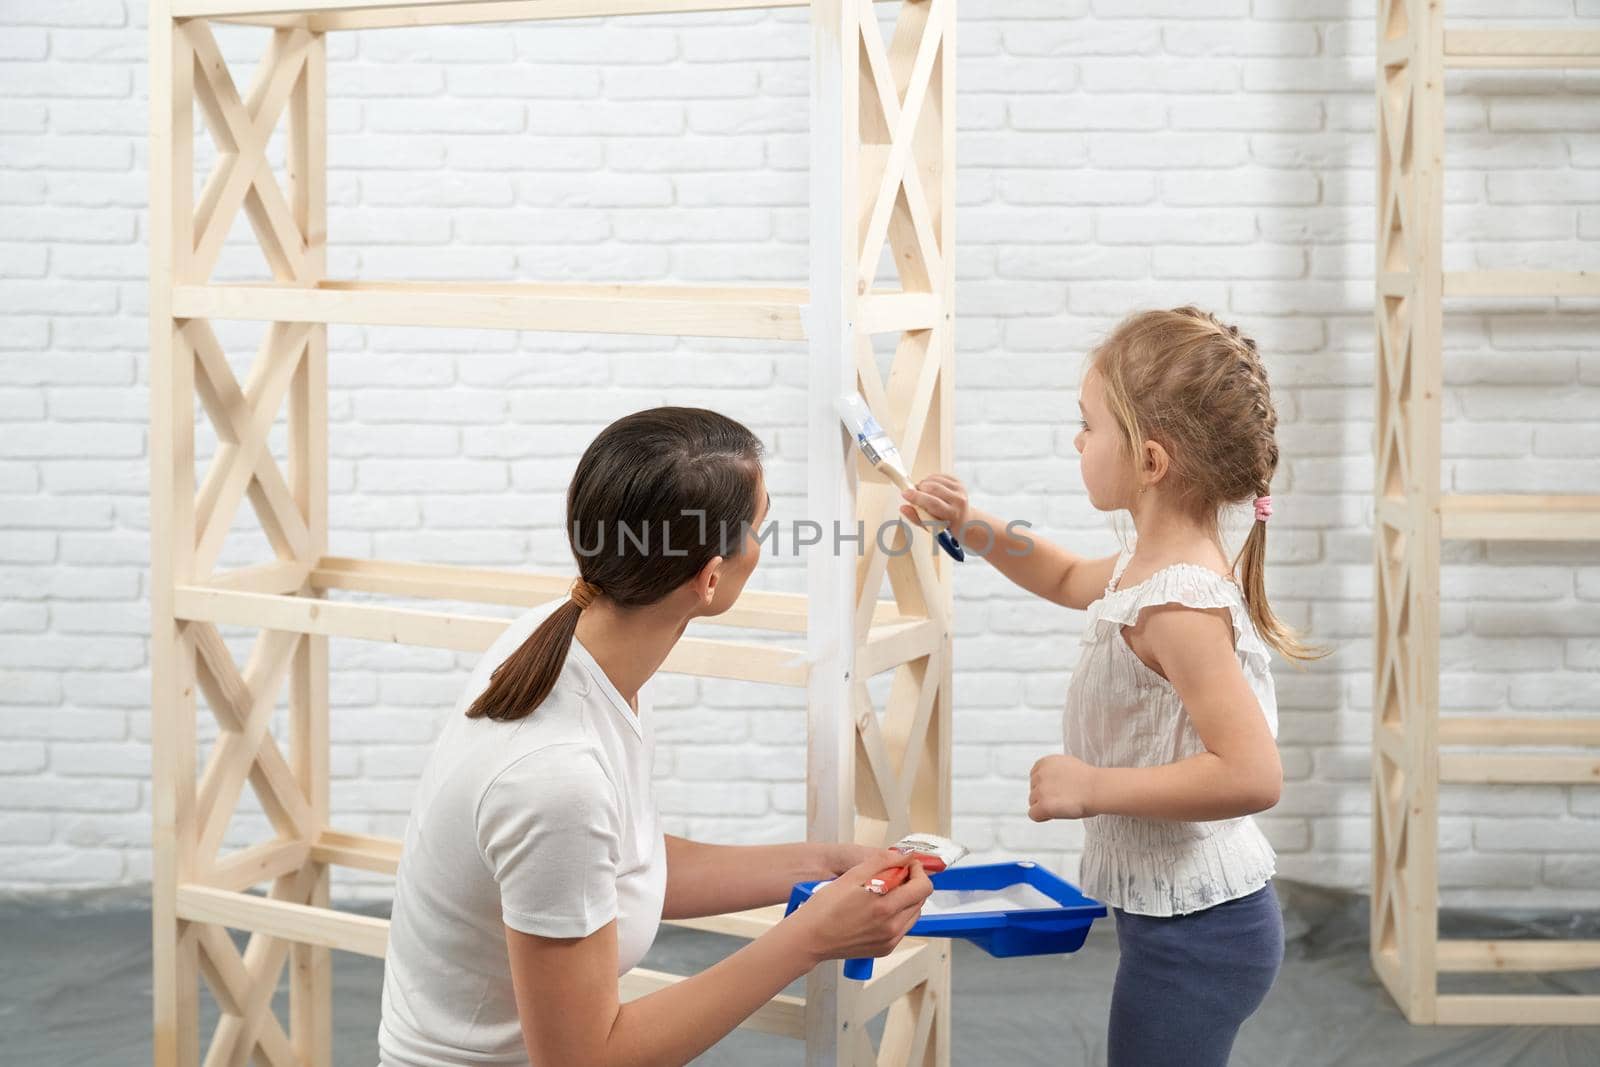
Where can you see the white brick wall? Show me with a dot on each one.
(1113, 154)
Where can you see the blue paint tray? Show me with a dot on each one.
(1000, 933)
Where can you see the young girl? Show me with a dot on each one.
(1171, 718)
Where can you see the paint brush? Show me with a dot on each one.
(879, 448)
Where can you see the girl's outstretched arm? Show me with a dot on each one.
(1039, 566)
(1238, 774)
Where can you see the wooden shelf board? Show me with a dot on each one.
(1522, 283)
(1544, 955)
(755, 610)
(753, 312)
(701, 657)
(1520, 517)
(1512, 1009)
(1519, 769)
(1517, 730)
(893, 638)
(326, 15)
(1527, 49)
(368, 935)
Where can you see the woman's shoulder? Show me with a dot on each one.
(573, 761)
(554, 736)
(567, 779)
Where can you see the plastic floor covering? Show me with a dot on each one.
(75, 992)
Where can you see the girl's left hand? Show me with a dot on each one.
(1060, 787)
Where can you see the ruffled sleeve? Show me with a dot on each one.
(1192, 586)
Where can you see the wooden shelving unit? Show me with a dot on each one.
(882, 176)
(1414, 516)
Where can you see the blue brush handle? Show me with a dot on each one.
(950, 545)
(858, 970)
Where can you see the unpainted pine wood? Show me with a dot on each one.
(257, 863)
(1554, 1009)
(243, 457)
(1550, 49)
(715, 312)
(326, 15)
(285, 920)
(1520, 517)
(782, 612)
(232, 698)
(232, 984)
(1519, 769)
(1501, 956)
(174, 949)
(704, 657)
(239, 415)
(242, 128)
(311, 966)
(1520, 283)
(1518, 730)
(900, 76)
(237, 751)
(936, 159)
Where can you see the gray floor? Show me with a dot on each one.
(75, 992)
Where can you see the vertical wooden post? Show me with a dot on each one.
(1425, 432)
(172, 536)
(830, 488)
(883, 138)
(1409, 319)
(311, 988)
(942, 171)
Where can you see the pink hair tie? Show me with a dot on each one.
(1263, 508)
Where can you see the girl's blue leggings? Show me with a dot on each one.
(1186, 983)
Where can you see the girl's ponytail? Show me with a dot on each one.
(1250, 571)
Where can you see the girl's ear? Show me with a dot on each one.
(1155, 463)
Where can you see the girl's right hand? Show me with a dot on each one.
(942, 498)
(843, 920)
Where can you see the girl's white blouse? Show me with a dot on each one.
(1120, 713)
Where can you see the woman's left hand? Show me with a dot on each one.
(838, 858)
(1060, 787)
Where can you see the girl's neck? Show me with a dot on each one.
(631, 645)
(1166, 536)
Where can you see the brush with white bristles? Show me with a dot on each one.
(879, 448)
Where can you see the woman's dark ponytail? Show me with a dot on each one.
(521, 683)
(667, 483)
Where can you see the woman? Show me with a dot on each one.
(534, 873)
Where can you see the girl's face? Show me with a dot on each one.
(1102, 459)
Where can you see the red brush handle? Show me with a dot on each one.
(894, 877)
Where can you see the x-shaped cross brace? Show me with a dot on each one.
(242, 130)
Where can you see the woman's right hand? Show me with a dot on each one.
(843, 920)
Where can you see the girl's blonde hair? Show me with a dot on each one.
(1198, 387)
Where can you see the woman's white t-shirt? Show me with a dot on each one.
(546, 825)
